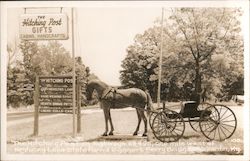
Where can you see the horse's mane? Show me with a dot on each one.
(97, 81)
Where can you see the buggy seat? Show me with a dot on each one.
(190, 110)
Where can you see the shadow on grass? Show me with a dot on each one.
(190, 136)
(120, 137)
(223, 153)
(117, 138)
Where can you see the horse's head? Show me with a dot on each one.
(97, 85)
(89, 91)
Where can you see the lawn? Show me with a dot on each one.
(55, 137)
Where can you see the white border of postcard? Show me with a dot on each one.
(19, 4)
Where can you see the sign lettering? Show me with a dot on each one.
(43, 27)
(56, 94)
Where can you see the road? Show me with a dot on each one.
(22, 115)
(26, 118)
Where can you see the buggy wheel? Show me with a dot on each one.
(195, 124)
(168, 126)
(152, 116)
(227, 123)
(209, 122)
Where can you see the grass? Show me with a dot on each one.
(55, 137)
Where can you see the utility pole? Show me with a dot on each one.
(160, 63)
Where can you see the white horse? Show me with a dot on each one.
(120, 98)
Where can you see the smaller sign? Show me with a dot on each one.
(56, 89)
(43, 27)
(56, 80)
(56, 94)
(54, 110)
(60, 104)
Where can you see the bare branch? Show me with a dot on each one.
(195, 36)
(208, 54)
(185, 35)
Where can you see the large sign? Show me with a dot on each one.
(56, 94)
(43, 27)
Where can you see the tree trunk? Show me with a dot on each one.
(197, 78)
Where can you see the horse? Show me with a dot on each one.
(112, 98)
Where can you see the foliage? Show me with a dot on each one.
(142, 65)
(39, 59)
(15, 84)
(201, 46)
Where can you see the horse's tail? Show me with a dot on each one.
(149, 105)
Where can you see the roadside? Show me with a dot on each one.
(56, 133)
(171, 105)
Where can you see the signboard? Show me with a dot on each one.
(43, 27)
(56, 94)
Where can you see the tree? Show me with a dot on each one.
(203, 46)
(15, 85)
(12, 50)
(15, 77)
(141, 62)
(30, 50)
(207, 43)
(38, 59)
(53, 59)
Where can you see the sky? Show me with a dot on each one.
(105, 33)
(102, 34)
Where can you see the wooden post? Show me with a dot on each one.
(160, 63)
(150, 135)
(36, 103)
(74, 73)
(78, 106)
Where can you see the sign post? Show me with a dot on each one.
(49, 27)
(74, 72)
(36, 111)
(78, 106)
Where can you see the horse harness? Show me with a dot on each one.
(105, 97)
(113, 99)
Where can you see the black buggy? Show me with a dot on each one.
(214, 121)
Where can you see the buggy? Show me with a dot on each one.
(214, 121)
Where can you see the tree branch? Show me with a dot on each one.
(195, 35)
(185, 35)
(209, 53)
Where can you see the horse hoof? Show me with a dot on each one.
(104, 134)
(135, 133)
(144, 134)
(111, 133)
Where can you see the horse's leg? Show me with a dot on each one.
(111, 124)
(106, 120)
(139, 122)
(145, 122)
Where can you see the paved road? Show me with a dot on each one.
(23, 115)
